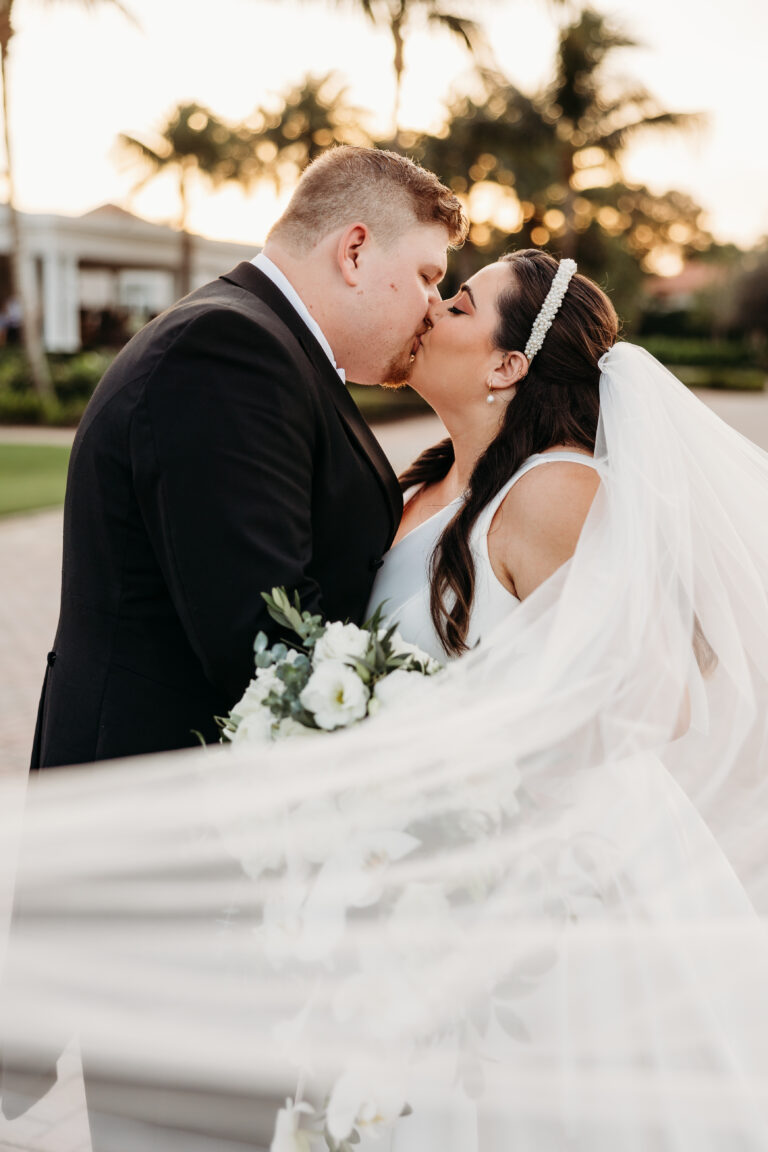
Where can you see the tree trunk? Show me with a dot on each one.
(568, 243)
(399, 63)
(40, 375)
(185, 262)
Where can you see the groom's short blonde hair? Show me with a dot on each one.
(385, 191)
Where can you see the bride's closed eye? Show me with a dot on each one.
(457, 311)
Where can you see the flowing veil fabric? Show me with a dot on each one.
(529, 900)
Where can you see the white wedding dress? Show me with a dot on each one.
(402, 583)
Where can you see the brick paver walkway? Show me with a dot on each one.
(30, 563)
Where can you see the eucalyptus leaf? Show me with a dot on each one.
(512, 988)
(536, 964)
(512, 1024)
(480, 1015)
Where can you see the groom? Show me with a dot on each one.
(222, 455)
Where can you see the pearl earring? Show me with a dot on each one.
(490, 398)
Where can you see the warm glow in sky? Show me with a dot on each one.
(80, 77)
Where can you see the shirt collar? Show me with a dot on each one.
(281, 281)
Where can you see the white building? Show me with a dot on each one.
(108, 261)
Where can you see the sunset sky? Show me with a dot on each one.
(79, 78)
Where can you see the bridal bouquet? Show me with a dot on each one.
(335, 675)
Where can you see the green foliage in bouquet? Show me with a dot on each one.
(325, 678)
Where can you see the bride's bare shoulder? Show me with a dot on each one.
(538, 524)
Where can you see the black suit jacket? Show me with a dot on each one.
(219, 456)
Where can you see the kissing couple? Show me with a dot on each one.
(516, 900)
(222, 455)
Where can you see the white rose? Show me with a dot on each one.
(341, 642)
(335, 695)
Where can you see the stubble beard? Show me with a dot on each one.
(398, 372)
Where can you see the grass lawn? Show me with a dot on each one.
(32, 476)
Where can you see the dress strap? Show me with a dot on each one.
(485, 518)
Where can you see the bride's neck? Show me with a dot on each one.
(469, 443)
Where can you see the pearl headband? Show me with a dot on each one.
(549, 308)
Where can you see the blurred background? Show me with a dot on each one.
(148, 145)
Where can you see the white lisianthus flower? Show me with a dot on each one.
(254, 728)
(288, 1137)
(401, 647)
(335, 695)
(290, 727)
(396, 686)
(365, 1099)
(265, 681)
(341, 642)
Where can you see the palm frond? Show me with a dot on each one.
(366, 5)
(91, 4)
(614, 139)
(131, 144)
(467, 30)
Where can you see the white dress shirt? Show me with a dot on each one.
(281, 281)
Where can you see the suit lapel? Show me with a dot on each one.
(253, 280)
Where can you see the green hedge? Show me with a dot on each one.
(673, 350)
(732, 379)
(74, 379)
(28, 408)
(698, 363)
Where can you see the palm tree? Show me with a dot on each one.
(396, 15)
(192, 143)
(308, 118)
(586, 117)
(559, 148)
(552, 161)
(31, 327)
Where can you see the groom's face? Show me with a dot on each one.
(399, 288)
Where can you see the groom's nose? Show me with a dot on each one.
(434, 296)
(436, 309)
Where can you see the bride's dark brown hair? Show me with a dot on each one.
(556, 403)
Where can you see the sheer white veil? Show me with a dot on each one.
(531, 897)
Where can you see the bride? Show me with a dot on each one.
(523, 906)
(481, 515)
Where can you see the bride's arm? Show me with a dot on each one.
(537, 526)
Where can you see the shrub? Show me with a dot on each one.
(78, 375)
(29, 408)
(705, 353)
(74, 379)
(734, 379)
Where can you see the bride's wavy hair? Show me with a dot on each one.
(556, 403)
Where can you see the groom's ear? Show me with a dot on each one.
(349, 250)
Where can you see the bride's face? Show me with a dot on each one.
(457, 355)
